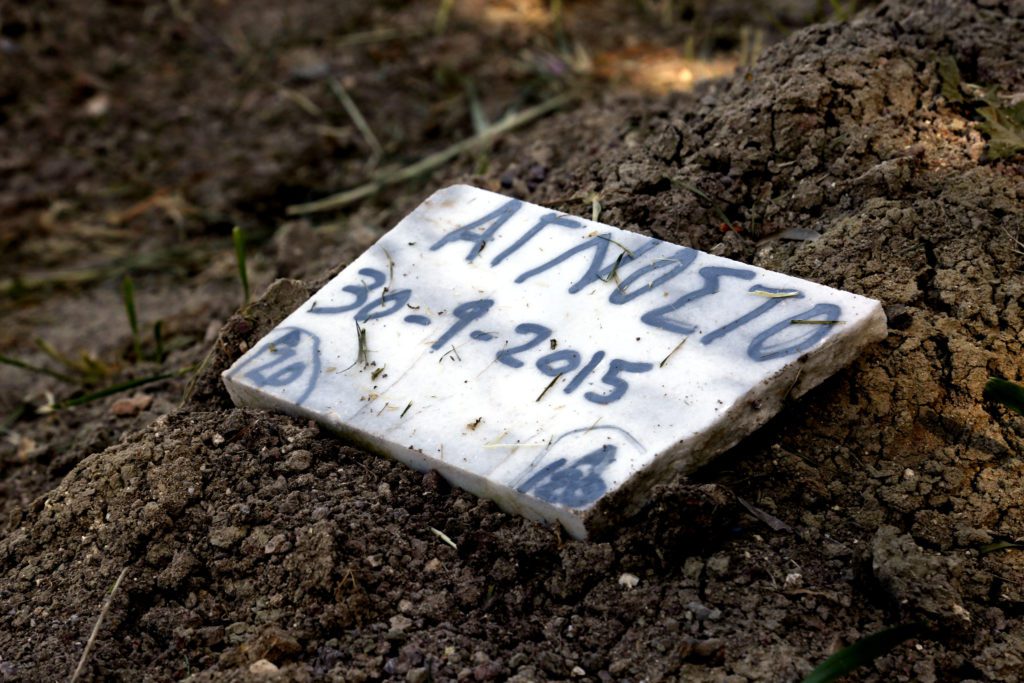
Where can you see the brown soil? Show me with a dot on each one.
(250, 536)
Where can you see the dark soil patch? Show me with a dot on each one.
(250, 536)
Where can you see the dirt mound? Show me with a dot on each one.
(251, 537)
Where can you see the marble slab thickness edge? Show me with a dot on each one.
(559, 366)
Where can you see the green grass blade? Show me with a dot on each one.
(444, 11)
(14, 362)
(1000, 545)
(864, 651)
(1010, 394)
(128, 294)
(238, 237)
(115, 389)
(118, 388)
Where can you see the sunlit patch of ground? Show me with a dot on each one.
(658, 69)
(634, 63)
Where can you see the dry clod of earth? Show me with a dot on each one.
(259, 547)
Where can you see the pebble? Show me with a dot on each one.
(418, 675)
(277, 544)
(400, 622)
(627, 580)
(263, 667)
(226, 536)
(299, 461)
(130, 406)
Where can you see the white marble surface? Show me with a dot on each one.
(546, 361)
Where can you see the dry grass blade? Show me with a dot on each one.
(476, 109)
(377, 35)
(551, 384)
(89, 369)
(773, 522)
(1018, 245)
(14, 362)
(302, 102)
(432, 161)
(444, 537)
(376, 149)
(96, 626)
(670, 353)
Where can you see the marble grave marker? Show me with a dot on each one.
(558, 366)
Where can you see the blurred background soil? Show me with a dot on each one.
(134, 136)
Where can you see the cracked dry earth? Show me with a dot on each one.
(250, 536)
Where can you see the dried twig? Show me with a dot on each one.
(97, 625)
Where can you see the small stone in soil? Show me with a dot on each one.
(263, 667)
(128, 406)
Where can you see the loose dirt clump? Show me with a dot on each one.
(257, 546)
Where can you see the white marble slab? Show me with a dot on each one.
(558, 366)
